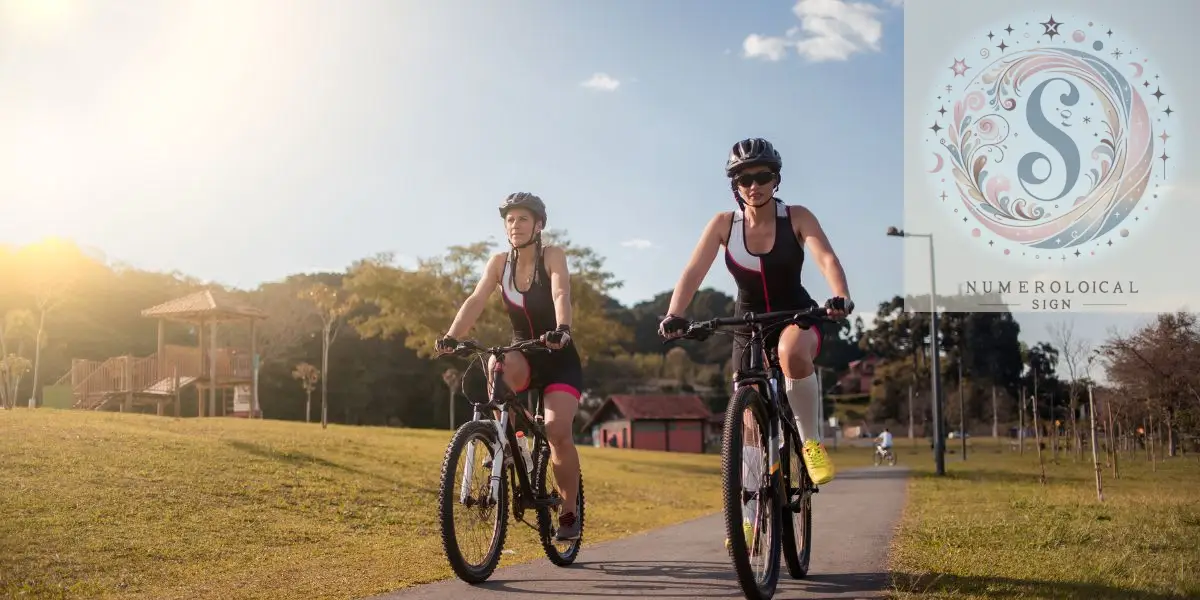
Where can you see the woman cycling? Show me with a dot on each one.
(535, 285)
(764, 242)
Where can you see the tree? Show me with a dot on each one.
(308, 376)
(1074, 352)
(422, 302)
(12, 369)
(332, 306)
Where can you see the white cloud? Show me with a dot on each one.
(639, 244)
(602, 82)
(768, 48)
(829, 30)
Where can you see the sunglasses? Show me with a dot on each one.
(763, 178)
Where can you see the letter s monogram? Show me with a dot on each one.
(1055, 137)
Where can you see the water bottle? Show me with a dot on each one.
(523, 446)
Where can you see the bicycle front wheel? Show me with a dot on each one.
(473, 546)
(751, 489)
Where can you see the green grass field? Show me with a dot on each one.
(988, 529)
(135, 506)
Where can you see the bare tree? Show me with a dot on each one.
(1074, 352)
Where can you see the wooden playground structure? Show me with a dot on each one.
(125, 383)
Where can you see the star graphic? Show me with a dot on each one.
(1164, 137)
(1077, 253)
(1009, 29)
(1002, 46)
(990, 35)
(1168, 111)
(943, 196)
(959, 67)
(936, 128)
(1109, 32)
(1087, 120)
(1164, 156)
(991, 242)
(1051, 27)
(1146, 84)
(1158, 94)
(942, 111)
(1117, 53)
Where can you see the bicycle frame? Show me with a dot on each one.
(499, 399)
(767, 378)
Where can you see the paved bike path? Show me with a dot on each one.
(854, 516)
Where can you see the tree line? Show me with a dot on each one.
(357, 346)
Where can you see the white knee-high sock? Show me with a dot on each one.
(803, 397)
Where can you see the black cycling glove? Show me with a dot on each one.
(839, 303)
(562, 335)
(672, 324)
(445, 344)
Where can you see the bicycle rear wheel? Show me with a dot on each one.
(473, 446)
(796, 514)
(546, 485)
(756, 562)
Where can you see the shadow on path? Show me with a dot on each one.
(666, 579)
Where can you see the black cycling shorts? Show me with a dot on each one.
(556, 371)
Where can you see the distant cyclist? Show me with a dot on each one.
(535, 286)
(884, 440)
(764, 241)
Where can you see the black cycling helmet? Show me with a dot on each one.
(751, 152)
(527, 201)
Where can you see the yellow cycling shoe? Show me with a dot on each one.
(746, 529)
(820, 468)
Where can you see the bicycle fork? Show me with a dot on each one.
(499, 452)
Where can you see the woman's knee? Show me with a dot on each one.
(516, 370)
(796, 351)
(560, 417)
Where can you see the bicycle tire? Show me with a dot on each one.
(447, 501)
(546, 519)
(731, 475)
(797, 557)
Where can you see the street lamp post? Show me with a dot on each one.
(939, 442)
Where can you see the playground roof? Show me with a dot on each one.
(207, 304)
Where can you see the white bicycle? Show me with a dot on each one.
(884, 455)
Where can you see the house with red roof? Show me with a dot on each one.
(672, 423)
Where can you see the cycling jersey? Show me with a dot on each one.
(767, 282)
(532, 314)
(771, 281)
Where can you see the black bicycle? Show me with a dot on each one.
(483, 493)
(758, 413)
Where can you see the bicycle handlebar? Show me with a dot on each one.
(470, 346)
(702, 329)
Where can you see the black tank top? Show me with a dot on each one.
(531, 313)
(771, 281)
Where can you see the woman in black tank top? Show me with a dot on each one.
(764, 241)
(535, 288)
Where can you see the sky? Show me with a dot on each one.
(240, 142)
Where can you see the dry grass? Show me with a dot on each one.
(990, 530)
(131, 506)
